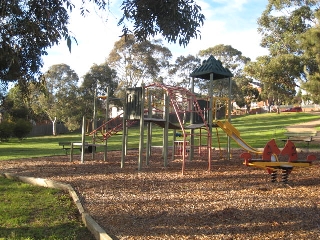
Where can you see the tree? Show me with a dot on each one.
(181, 70)
(16, 105)
(230, 57)
(278, 86)
(99, 78)
(310, 41)
(6, 130)
(174, 19)
(242, 90)
(13, 103)
(95, 83)
(281, 26)
(60, 99)
(137, 62)
(22, 128)
(30, 27)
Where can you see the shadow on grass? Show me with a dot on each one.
(56, 232)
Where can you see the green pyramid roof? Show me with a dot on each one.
(211, 65)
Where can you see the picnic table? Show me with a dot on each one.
(306, 136)
(88, 147)
(66, 146)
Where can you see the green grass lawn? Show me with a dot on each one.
(256, 130)
(29, 212)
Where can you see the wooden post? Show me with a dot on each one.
(149, 131)
(191, 147)
(83, 139)
(229, 116)
(141, 141)
(71, 151)
(94, 121)
(210, 119)
(124, 132)
(106, 126)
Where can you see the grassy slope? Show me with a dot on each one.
(256, 130)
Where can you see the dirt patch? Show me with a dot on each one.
(230, 202)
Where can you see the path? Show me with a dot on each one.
(307, 126)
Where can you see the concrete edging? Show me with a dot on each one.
(89, 222)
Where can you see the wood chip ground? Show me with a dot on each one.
(231, 201)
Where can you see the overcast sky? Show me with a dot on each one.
(229, 22)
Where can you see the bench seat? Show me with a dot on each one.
(307, 137)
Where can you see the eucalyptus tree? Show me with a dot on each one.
(278, 87)
(282, 25)
(230, 57)
(14, 105)
(30, 27)
(59, 99)
(175, 20)
(139, 62)
(242, 90)
(311, 46)
(181, 69)
(95, 84)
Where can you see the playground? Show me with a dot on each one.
(187, 190)
(232, 201)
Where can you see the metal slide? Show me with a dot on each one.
(232, 132)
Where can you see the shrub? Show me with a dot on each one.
(72, 124)
(6, 130)
(22, 128)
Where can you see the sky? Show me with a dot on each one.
(228, 22)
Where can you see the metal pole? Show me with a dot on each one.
(166, 130)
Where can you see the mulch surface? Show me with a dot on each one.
(232, 201)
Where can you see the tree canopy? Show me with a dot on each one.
(59, 100)
(311, 45)
(137, 61)
(232, 59)
(175, 20)
(182, 68)
(282, 26)
(95, 84)
(29, 28)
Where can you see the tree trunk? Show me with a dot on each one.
(54, 127)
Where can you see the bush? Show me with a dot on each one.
(22, 128)
(72, 124)
(6, 130)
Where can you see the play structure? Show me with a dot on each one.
(232, 132)
(177, 111)
(191, 121)
(185, 116)
(173, 108)
(270, 160)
